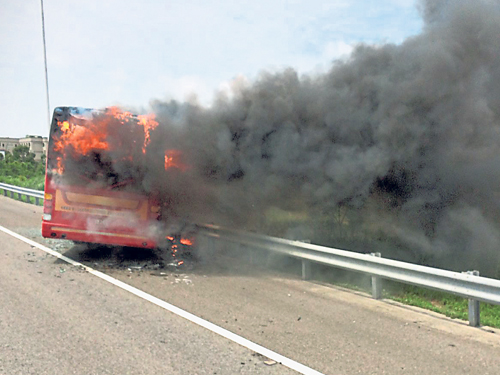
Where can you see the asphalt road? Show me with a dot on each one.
(56, 319)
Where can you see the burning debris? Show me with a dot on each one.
(180, 250)
(157, 262)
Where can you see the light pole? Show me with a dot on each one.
(45, 60)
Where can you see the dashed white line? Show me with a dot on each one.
(290, 363)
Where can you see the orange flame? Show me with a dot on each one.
(183, 241)
(186, 242)
(173, 159)
(82, 137)
(78, 139)
(149, 123)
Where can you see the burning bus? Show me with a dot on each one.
(95, 190)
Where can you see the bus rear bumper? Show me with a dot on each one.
(132, 239)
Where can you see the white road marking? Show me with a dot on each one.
(290, 363)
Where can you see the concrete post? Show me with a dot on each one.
(474, 309)
(376, 282)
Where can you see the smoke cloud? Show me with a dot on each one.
(399, 142)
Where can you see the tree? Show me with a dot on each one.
(22, 153)
(8, 156)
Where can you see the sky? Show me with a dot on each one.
(129, 52)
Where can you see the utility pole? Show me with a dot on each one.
(45, 60)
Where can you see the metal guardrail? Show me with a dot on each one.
(468, 285)
(20, 191)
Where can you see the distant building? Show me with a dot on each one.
(36, 143)
(8, 144)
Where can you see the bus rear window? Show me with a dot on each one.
(104, 149)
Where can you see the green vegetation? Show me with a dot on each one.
(21, 169)
(447, 304)
(452, 306)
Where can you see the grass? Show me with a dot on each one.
(452, 306)
(36, 182)
(447, 304)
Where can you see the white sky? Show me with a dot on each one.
(128, 52)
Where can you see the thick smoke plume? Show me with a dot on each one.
(399, 142)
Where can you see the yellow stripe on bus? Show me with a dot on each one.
(83, 203)
(101, 200)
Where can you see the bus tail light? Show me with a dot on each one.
(47, 207)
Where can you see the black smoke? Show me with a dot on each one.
(403, 139)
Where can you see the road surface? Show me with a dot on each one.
(55, 318)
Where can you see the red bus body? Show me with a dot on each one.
(98, 216)
(101, 215)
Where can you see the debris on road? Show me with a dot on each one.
(267, 361)
(160, 274)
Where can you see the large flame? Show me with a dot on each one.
(82, 139)
(79, 138)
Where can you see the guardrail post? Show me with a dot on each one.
(37, 201)
(306, 270)
(210, 244)
(248, 252)
(306, 266)
(12, 194)
(376, 282)
(474, 310)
